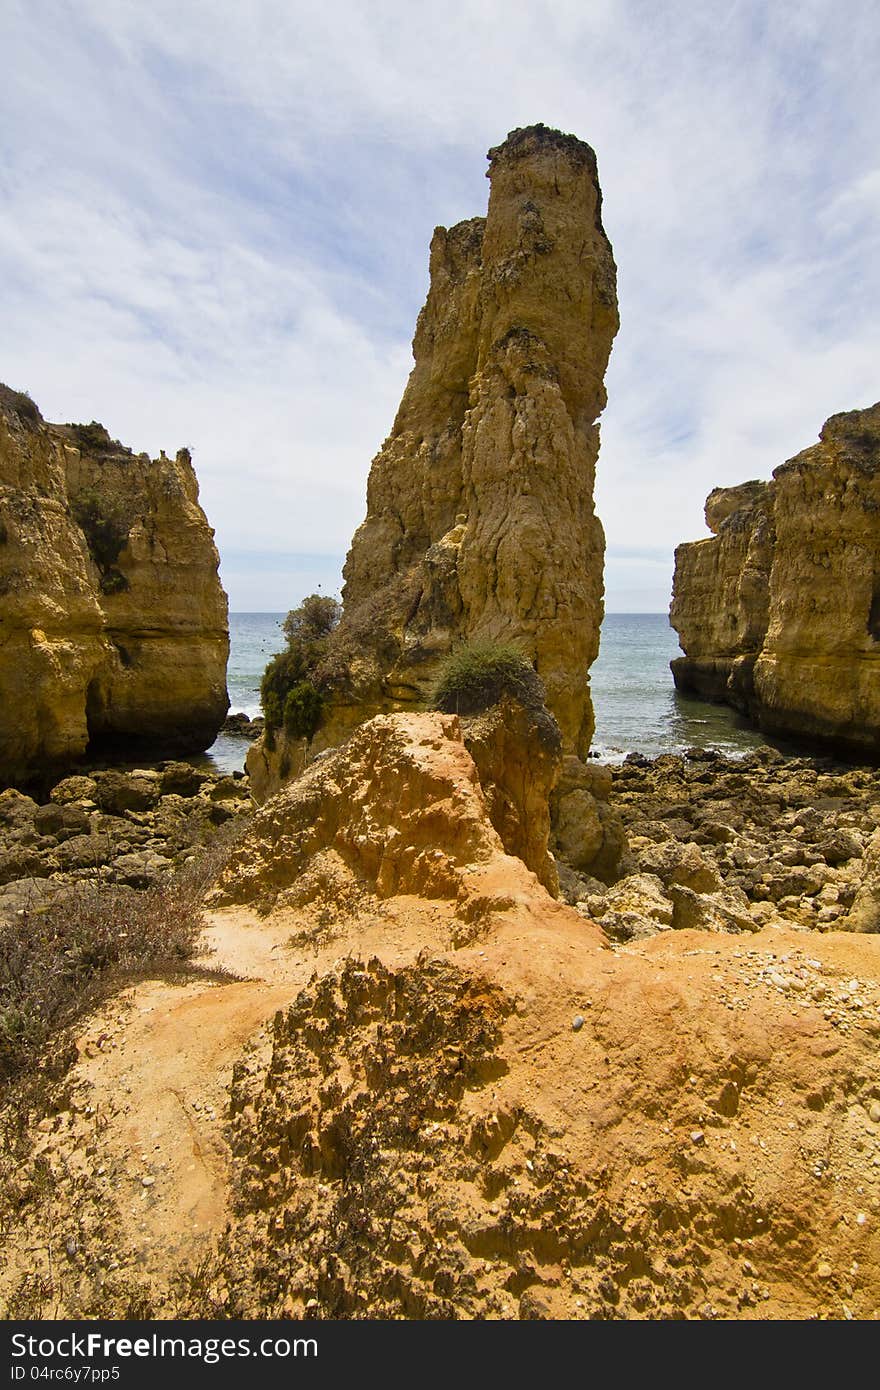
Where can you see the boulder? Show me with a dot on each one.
(140, 870)
(676, 863)
(16, 809)
(74, 789)
(864, 915)
(118, 792)
(636, 907)
(183, 779)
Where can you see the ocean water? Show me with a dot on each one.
(253, 639)
(637, 707)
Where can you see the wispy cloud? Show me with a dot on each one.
(216, 219)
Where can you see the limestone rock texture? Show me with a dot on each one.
(778, 613)
(720, 595)
(113, 623)
(400, 808)
(480, 519)
(425, 1089)
(517, 754)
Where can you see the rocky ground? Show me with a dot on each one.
(430, 1090)
(723, 844)
(111, 826)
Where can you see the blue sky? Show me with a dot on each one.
(216, 220)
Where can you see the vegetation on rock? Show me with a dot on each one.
(96, 438)
(58, 961)
(23, 404)
(103, 526)
(292, 689)
(477, 674)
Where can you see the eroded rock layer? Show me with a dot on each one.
(373, 815)
(113, 625)
(427, 1090)
(480, 518)
(778, 612)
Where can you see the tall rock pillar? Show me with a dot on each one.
(480, 520)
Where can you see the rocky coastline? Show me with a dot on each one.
(702, 841)
(110, 826)
(739, 844)
(456, 1022)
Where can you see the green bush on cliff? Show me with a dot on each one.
(302, 711)
(105, 529)
(311, 622)
(23, 404)
(95, 438)
(477, 674)
(290, 692)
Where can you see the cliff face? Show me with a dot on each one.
(113, 624)
(480, 518)
(720, 595)
(779, 613)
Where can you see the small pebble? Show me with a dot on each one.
(577, 1023)
(147, 1182)
(697, 1136)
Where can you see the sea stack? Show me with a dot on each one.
(778, 613)
(480, 521)
(113, 624)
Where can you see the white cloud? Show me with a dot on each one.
(216, 221)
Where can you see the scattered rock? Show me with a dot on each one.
(118, 792)
(179, 779)
(243, 727)
(74, 789)
(676, 863)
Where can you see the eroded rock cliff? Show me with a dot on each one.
(480, 519)
(113, 624)
(778, 613)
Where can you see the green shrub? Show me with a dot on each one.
(60, 960)
(315, 618)
(95, 437)
(283, 672)
(302, 711)
(290, 692)
(476, 675)
(114, 582)
(105, 530)
(24, 405)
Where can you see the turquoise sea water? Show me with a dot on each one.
(637, 707)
